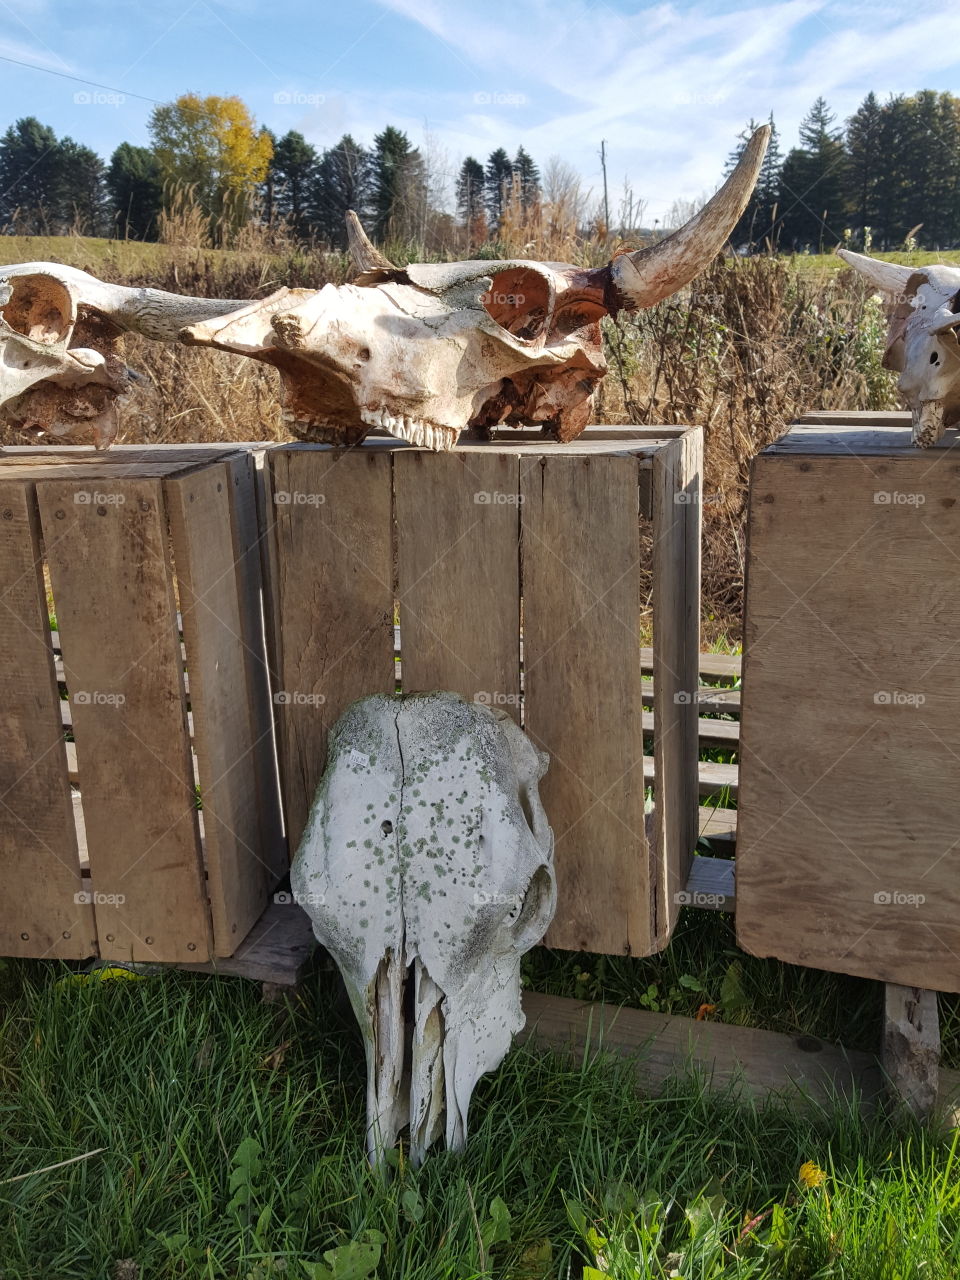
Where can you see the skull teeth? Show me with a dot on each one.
(424, 434)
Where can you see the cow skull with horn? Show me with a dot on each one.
(923, 340)
(423, 351)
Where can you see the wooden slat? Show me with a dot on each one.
(711, 884)
(275, 950)
(676, 627)
(855, 417)
(205, 556)
(251, 588)
(847, 842)
(725, 700)
(713, 666)
(761, 1062)
(332, 573)
(712, 779)
(458, 564)
(583, 610)
(39, 857)
(711, 732)
(718, 824)
(113, 593)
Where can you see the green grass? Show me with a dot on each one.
(232, 1136)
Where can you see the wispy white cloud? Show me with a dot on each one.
(671, 85)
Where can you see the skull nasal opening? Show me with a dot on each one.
(38, 307)
(519, 301)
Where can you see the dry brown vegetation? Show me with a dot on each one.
(751, 345)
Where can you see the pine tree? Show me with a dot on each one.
(470, 201)
(527, 176)
(293, 169)
(80, 193)
(497, 181)
(865, 163)
(399, 187)
(136, 192)
(343, 181)
(28, 177)
(812, 183)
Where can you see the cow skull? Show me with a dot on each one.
(422, 352)
(426, 867)
(923, 341)
(60, 373)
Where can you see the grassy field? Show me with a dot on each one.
(224, 1139)
(136, 257)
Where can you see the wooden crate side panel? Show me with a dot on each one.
(333, 586)
(582, 614)
(42, 912)
(113, 591)
(205, 559)
(252, 588)
(848, 854)
(458, 562)
(676, 650)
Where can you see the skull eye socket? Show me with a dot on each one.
(519, 301)
(39, 308)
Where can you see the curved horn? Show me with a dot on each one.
(646, 277)
(889, 277)
(366, 256)
(152, 312)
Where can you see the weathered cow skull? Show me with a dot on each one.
(422, 351)
(426, 867)
(923, 341)
(60, 373)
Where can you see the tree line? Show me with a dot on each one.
(211, 149)
(889, 178)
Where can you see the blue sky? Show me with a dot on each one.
(667, 85)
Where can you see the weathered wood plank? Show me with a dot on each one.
(677, 476)
(275, 950)
(713, 666)
(910, 1051)
(762, 1062)
(718, 824)
(711, 732)
(847, 842)
(458, 565)
(582, 617)
(332, 576)
(205, 556)
(712, 777)
(711, 884)
(251, 588)
(113, 592)
(39, 857)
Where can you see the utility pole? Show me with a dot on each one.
(606, 203)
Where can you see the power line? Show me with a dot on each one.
(64, 75)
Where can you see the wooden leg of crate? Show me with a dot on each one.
(911, 1047)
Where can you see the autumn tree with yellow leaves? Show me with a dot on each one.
(212, 148)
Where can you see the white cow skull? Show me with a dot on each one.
(60, 373)
(426, 350)
(923, 341)
(426, 867)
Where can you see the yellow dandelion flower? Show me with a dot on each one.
(811, 1175)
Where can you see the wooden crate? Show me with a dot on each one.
(122, 540)
(515, 571)
(848, 855)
